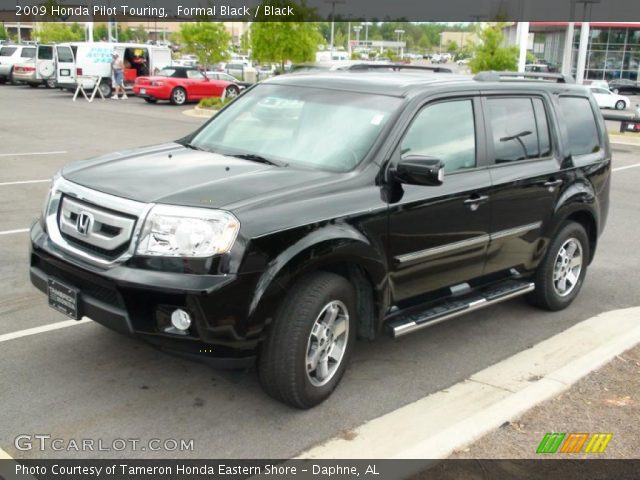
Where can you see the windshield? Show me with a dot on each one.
(299, 126)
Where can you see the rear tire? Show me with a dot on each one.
(560, 275)
(231, 92)
(105, 89)
(50, 83)
(310, 340)
(178, 96)
(620, 105)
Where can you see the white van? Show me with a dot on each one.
(93, 59)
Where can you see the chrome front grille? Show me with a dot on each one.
(96, 227)
(109, 231)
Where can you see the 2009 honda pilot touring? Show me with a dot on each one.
(323, 207)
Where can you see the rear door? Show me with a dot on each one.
(438, 235)
(66, 70)
(526, 175)
(45, 63)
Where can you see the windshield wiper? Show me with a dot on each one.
(194, 147)
(258, 158)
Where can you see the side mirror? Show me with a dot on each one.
(419, 170)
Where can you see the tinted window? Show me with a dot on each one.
(543, 127)
(581, 125)
(45, 53)
(445, 131)
(28, 53)
(65, 55)
(513, 125)
(7, 51)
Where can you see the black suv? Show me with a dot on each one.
(319, 208)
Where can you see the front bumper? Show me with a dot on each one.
(138, 302)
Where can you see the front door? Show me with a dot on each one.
(438, 235)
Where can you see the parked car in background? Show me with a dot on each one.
(42, 68)
(625, 86)
(180, 85)
(216, 75)
(10, 55)
(93, 59)
(236, 69)
(608, 99)
(600, 84)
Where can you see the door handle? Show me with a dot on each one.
(475, 201)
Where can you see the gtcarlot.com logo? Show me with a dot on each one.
(574, 443)
(44, 442)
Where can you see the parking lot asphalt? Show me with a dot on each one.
(86, 382)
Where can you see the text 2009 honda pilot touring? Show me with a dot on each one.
(320, 208)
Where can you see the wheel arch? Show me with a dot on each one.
(337, 249)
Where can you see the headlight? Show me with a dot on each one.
(173, 231)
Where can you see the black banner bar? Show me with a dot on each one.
(317, 10)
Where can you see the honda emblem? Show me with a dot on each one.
(84, 222)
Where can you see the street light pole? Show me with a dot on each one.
(333, 11)
(366, 35)
(400, 32)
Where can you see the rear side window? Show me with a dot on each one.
(7, 51)
(519, 129)
(45, 53)
(584, 137)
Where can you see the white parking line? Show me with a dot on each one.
(625, 167)
(26, 154)
(10, 232)
(44, 328)
(23, 182)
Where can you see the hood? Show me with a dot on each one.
(173, 174)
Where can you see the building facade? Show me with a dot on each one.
(613, 49)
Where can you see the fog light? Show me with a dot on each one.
(180, 320)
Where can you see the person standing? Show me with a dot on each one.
(117, 67)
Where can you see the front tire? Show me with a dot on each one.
(310, 340)
(179, 96)
(620, 105)
(561, 274)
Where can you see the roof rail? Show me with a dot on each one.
(397, 66)
(493, 76)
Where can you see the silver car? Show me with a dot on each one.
(10, 55)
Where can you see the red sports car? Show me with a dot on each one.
(180, 85)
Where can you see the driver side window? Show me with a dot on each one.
(445, 131)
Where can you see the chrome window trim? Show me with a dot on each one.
(471, 242)
(62, 186)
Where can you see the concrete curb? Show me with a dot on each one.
(435, 426)
(200, 112)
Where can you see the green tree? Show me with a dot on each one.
(489, 54)
(3, 32)
(296, 40)
(51, 32)
(209, 41)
